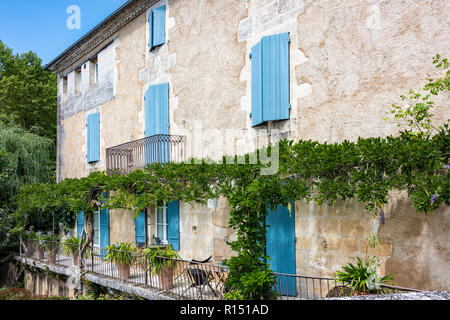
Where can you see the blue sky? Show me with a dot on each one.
(40, 25)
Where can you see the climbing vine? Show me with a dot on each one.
(366, 169)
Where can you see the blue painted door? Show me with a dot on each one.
(173, 224)
(104, 231)
(157, 123)
(280, 247)
(140, 232)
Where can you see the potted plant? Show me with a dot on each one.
(39, 248)
(70, 247)
(30, 243)
(51, 246)
(162, 261)
(122, 254)
(362, 278)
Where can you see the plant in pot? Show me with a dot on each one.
(51, 246)
(122, 254)
(162, 261)
(40, 244)
(363, 278)
(30, 242)
(70, 247)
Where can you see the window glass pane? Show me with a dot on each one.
(160, 231)
(160, 216)
(96, 220)
(96, 237)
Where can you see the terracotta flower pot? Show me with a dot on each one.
(30, 250)
(124, 271)
(51, 255)
(39, 253)
(75, 258)
(166, 278)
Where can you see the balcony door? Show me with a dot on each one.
(157, 147)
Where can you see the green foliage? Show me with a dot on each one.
(25, 159)
(121, 253)
(159, 258)
(362, 277)
(71, 245)
(256, 285)
(416, 113)
(28, 93)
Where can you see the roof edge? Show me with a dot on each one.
(110, 25)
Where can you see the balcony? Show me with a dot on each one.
(137, 154)
(189, 279)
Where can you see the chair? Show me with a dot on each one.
(198, 277)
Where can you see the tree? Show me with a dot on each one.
(25, 158)
(28, 93)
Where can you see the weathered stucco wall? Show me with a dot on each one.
(361, 56)
(415, 247)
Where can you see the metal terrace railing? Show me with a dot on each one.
(187, 280)
(137, 154)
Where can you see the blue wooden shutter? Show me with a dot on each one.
(80, 223)
(150, 29)
(159, 26)
(150, 115)
(162, 108)
(157, 110)
(157, 123)
(93, 137)
(257, 102)
(173, 221)
(270, 79)
(139, 227)
(275, 77)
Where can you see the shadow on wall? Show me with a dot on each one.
(420, 245)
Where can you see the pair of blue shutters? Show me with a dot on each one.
(270, 79)
(93, 137)
(157, 123)
(280, 246)
(104, 229)
(157, 27)
(173, 226)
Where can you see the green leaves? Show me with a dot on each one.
(28, 93)
(121, 253)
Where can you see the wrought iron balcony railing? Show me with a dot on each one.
(137, 154)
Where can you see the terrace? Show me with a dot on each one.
(188, 280)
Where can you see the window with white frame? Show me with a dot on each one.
(77, 81)
(97, 228)
(161, 223)
(96, 73)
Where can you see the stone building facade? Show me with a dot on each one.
(348, 61)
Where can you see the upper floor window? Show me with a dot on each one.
(270, 79)
(64, 81)
(77, 81)
(93, 71)
(157, 27)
